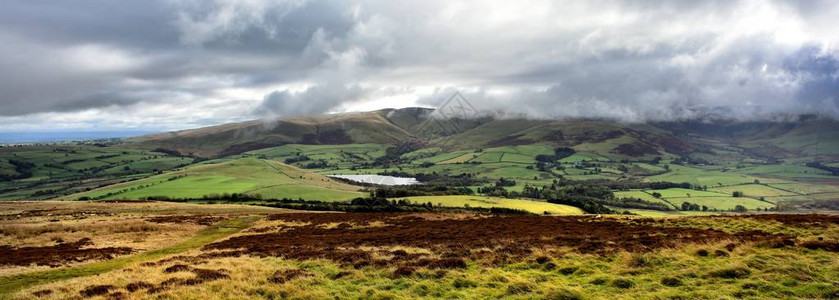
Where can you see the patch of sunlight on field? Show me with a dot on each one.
(489, 202)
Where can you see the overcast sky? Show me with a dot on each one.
(176, 64)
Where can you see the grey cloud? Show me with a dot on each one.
(314, 100)
(630, 60)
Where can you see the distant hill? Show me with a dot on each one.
(805, 136)
(234, 138)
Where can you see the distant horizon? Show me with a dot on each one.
(50, 136)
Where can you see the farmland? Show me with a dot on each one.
(55, 170)
(113, 172)
(250, 176)
(431, 255)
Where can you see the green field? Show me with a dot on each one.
(723, 203)
(702, 177)
(638, 194)
(340, 156)
(488, 202)
(712, 199)
(753, 190)
(63, 169)
(251, 176)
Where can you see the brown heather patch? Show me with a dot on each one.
(198, 220)
(96, 290)
(57, 255)
(280, 277)
(455, 239)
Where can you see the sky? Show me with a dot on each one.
(178, 64)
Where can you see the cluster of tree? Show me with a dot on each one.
(559, 153)
(22, 168)
(817, 165)
(372, 204)
(232, 196)
(686, 160)
(497, 191)
(687, 206)
(426, 164)
(419, 190)
(168, 152)
(636, 203)
(297, 158)
(737, 194)
(317, 164)
(505, 182)
(393, 155)
(63, 150)
(434, 178)
(586, 197)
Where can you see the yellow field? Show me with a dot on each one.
(536, 207)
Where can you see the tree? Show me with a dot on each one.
(657, 194)
(740, 208)
(737, 194)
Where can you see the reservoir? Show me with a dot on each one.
(378, 179)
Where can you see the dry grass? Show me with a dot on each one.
(49, 223)
(548, 271)
(719, 269)
(131, 232)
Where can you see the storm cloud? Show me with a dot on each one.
(173, 64)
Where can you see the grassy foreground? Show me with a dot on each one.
(10, 284)
(698, 267)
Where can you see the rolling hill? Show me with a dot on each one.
(251, 176)
(806, 136)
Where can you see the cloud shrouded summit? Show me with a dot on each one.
(173, 64)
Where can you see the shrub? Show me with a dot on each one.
(519, 288)
(562, 294)
(731, 273)
(622, 283)
(568, 270)
(671, 281)
(403, 271)
(460, 283)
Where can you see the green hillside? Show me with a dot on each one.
(45, 171)
(251, 176)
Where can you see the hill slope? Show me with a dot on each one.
(251, 176)
(761, 140)
(222, 140)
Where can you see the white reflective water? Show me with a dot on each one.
(379, 179)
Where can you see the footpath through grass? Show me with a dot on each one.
(11, 284)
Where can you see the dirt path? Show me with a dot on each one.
(11, 284)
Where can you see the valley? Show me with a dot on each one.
(504, 208)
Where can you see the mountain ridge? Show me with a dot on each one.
(398, 126)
